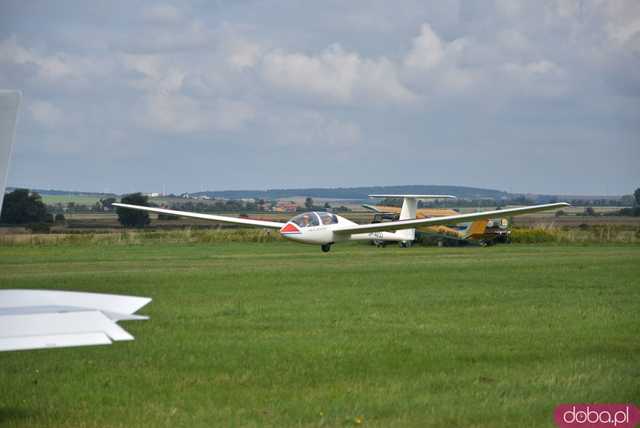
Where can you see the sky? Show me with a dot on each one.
(522, 96)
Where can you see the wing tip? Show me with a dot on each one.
(556, 205)
(416, 196)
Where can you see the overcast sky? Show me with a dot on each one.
(535, 96)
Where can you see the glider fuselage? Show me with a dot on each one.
(318, 228)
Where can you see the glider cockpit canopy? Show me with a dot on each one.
(313, 218)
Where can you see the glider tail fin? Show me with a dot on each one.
(409, 208)
(408, 212)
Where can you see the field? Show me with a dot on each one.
(103, 222)
(280, 334)
(65, 199)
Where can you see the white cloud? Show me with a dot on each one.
(567, 8)
(534, 70)
(242, 54)
(314, 130)
(335, 75)
(231, 115)
(50, 67)
(46, 113)
(181, 36)
(623, 23)
(513, 40)
(179, 113)
(427, 51)
(171, 113)
(72, 71)
(509, 8)
(155, 74)
(163, 13)
(438, 66)
(541, 78)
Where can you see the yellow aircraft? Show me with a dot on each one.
(475, 232)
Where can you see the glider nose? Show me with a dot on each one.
(289, 229)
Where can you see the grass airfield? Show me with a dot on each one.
(280, 334)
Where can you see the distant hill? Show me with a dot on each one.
(54, 192)
(361, 194)
(358, 193)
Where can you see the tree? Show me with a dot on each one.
(308, 203)
(627, 201)
(133, 218)
(636, 195)
(106, 203)
(23, 207)
(391, 202)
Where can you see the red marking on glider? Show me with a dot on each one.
(289, 228)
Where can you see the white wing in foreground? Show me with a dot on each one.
(453, 219)
(33, 319)
(220, 218)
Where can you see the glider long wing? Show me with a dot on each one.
(410, 224)
(220, 218)
(33, 319)
(395, 196)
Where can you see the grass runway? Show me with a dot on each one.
(280, 334)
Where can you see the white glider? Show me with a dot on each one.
(325, 229)
(34, 319)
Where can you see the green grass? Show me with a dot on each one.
(280, 334)
(65, 199)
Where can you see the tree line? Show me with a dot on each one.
(23, 207)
